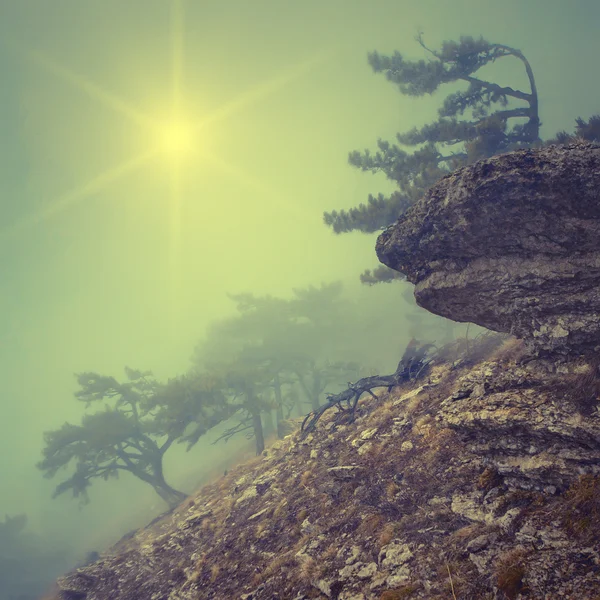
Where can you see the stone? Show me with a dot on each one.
(367, 434)
(345, 472)
(480, 542)
(248, 494)
(406, 446)
(487, 243)
(366, 447)
(394, 555)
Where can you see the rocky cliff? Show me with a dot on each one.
(479, 479)
(511, 243)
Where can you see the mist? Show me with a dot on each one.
(110, 259)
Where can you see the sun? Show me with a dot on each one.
(175, 139)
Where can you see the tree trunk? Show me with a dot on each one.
(310, 396)
(170, 495)
(258, 432)
(279, 403)
(269, 425)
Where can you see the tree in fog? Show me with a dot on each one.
(246, 385)
(483, 119)
(315, 377)
(188, 406)
(588, 131)
(279, 350)
(124, 436)
(28, 564)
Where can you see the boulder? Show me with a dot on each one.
(511, 243)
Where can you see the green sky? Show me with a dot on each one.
(98, 274)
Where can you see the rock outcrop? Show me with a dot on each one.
(479, 481)
(511, 243)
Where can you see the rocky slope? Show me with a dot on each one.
(511, 243)
(478, 481)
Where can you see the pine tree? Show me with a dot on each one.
(122, 437)
(482, 120)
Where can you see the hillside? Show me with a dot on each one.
(478, 478)
(464, 484)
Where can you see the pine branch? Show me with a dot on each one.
(380, 274)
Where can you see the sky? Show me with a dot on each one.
(111, 257)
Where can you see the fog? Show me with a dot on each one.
(113, 259)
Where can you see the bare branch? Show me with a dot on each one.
(413, 364)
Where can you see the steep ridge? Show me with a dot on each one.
(478, 481)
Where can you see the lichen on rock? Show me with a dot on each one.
(511, 243)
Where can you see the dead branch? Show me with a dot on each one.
(413, 364)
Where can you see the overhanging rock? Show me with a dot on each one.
(511, 243)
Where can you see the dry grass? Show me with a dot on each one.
(301, 515)
(465, 533)
(440, 443)
(482, 347)
(261, 528)
(281, 509)
(330, 552)
(510, 352)
(387, 534)
(391, 489)
(382, 417)
(422, 425)
(489, 479)
(581, 509)
(509, 572)
(374, 451)
(305, 477)
(584, 389)
(412, 405)
(406, 591)
(308, 568)
(457, 576)
(214, 573)
(370, 524)
(275, 566)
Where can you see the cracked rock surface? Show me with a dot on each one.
(511, 243)
(481, 480)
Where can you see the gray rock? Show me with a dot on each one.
(486, 243)
(345, 472)
(480, 542)
(395, 554)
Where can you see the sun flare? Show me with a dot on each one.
(175, 139)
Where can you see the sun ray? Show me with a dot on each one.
(177, 19)
(171, 144)
(174, 249)
(74, 196)
(86, 86)
(177, 143)
(267, 193)
(266, 89)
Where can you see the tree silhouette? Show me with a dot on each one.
(28, 563)
(122, 437)
(482, 120)
(188, 406)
